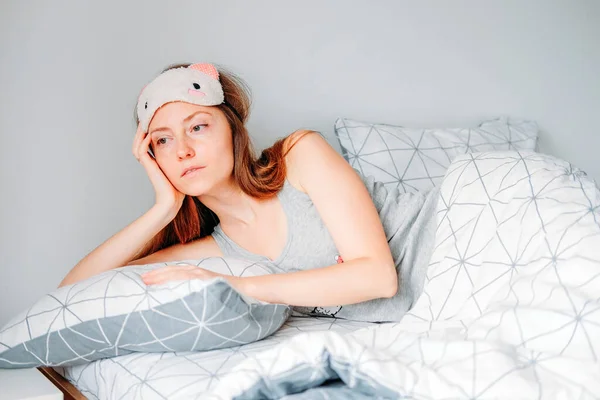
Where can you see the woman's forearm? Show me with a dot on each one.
(120, 248)
(350, 282)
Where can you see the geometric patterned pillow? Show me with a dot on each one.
(115, 313)
(414, 159)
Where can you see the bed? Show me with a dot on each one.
(510, 308)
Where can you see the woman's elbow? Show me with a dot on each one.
(388, 286)
(390, 290)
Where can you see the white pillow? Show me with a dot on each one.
(115, 313)
(416, 159)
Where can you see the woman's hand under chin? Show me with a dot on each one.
(167, 196)
(180, 272)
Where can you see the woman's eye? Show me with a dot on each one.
(161, 141)
(198, 128)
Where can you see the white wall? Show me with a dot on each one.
(70, 72)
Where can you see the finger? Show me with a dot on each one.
(143, 148)
(171, 276)
(137, 143)
(157, 276)
(139, 134)
(157, 280)
(168, 270)
(173, 269)
(154, 274)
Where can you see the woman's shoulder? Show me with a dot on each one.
(301, 148)
(310, 159)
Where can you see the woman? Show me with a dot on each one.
(299, 207)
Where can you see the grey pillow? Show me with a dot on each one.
(416, 159)
(115, 313)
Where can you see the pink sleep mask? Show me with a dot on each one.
(197, 84)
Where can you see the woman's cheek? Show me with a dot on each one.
(169, 169)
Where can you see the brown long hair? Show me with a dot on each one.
(260, 177)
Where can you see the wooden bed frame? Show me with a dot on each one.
(70, 392)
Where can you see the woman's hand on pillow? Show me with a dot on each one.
(179, 272)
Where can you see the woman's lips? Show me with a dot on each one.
(191, 172)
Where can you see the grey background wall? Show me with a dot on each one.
(71, 71)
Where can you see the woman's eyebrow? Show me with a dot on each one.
(186, 120)
(189, 117)
(159, 130)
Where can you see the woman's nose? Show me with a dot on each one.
(184, 149)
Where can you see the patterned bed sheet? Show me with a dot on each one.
(183, 375)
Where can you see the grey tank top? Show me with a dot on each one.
(308, 245)
(408, 220)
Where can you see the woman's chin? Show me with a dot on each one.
(194, 188)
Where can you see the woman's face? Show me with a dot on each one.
(188, 136)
